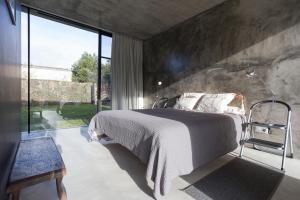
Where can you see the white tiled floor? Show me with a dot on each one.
(97, 171)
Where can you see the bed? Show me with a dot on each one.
(171, 142)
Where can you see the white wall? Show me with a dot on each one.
(47, 73)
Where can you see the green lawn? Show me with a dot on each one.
(55, 117)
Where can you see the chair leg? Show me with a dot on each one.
(291, 142)
(243, 140)
(60, 189)
(15, 195)
(242, 150)
(286, 138)
(242, 145)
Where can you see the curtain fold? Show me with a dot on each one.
(127, 73)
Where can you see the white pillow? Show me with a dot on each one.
(187, 101)
(215, 103)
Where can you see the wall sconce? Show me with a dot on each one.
(250, 73)
(159, 84)
(157, 96)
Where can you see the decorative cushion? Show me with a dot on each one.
(187, 101)
(215, 103)
(236, 106)
(237, 101)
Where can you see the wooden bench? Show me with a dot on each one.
(37, 160)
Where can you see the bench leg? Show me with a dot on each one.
(60, 189)
(15, 195)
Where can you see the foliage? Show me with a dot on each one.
(105, 72)
(85, 69)
(72, 115)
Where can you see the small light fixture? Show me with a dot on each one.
(250, 73)
(158, 87)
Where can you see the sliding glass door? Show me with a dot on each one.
(105, 100)
(61, 72)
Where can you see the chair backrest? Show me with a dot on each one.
(288, 107)
(160, 103)
(271, 101)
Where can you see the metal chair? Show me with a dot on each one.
(160, 103)
(287, 128)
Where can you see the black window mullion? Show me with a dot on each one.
(28, 68)
(99, 71)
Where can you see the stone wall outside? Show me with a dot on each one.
(58, 91)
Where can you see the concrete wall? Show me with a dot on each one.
(10, 92)
(57, 91)
(215, 50)
(154, 16)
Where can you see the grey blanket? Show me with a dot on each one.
(171, 142)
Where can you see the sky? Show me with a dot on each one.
(58, 45)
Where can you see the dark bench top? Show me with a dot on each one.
(37, 160)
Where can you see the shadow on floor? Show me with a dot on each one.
(132, 165)
(84, 133)
(285, 187)
(238, 179)
(126, 161)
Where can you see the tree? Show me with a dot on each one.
(105, 72)
(85, 69)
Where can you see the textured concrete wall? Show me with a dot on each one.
(10, 91)
(214, 51)
(57, 91)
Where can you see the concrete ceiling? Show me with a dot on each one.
(137, 18)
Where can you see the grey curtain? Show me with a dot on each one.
(127, 74)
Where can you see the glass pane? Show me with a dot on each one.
(106, 46)
(63, 75)
(24, 72)
(105, 102)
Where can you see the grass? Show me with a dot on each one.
(55, 116)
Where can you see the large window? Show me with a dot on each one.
(62, 85)
(105, 103)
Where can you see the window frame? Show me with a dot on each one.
(37, 12)
(99, 70)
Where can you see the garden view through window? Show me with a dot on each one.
(62, 77)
